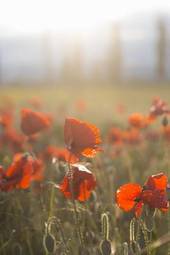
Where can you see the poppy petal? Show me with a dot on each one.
(82, 183)
(81, 138)
(127, 194)
(158, 181)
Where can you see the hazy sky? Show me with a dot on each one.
(32, 16)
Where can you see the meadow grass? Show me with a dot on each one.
(42, 221)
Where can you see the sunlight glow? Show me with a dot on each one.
(23, 16)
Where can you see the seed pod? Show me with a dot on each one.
(105, 226)
(17, 249)
(105, 247)
(49, 243)
(165, 121)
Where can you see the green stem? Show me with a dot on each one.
(51, 202)
(74, 204)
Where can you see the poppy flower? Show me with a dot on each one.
(6, 117)
(132, 196)
(33, 122)
(159, 107)
(132, 136)
(59, 153)
(138, 120)
(19, 175)
(78, 184)
(81, 138)
(115, 136)
(12, 139)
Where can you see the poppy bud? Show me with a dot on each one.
(105, 247)
(49, 243)
(17, 249)
(165, 121)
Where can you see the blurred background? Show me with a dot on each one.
(84, 42)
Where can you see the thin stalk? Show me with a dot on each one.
(51, 201)
(74, 204)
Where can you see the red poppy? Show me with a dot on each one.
(12, 139)
(132, 196)
(23, 170)
(6, 117)
(34, 122)
(115, 136)
(81, 138)
(78, 184)
(154, 191)
(159, 107)
(132, 136)
(126, 196)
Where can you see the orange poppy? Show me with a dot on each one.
(19, 175)
(138, 120)
(34, 122)
(132, 136)
(132, 196)
(126, 196)
(78, 184)
(81, 138)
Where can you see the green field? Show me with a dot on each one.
(101, 101)
(40, 220)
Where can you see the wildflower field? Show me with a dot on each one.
(85, 170)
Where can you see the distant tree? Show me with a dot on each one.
(161, 49)
(47, 54)
(114, 58)
(72, 67)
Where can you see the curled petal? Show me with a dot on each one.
(158, 181)
(81, 138)
(78, 184)
(155, 199)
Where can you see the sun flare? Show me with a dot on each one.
(21, 16)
